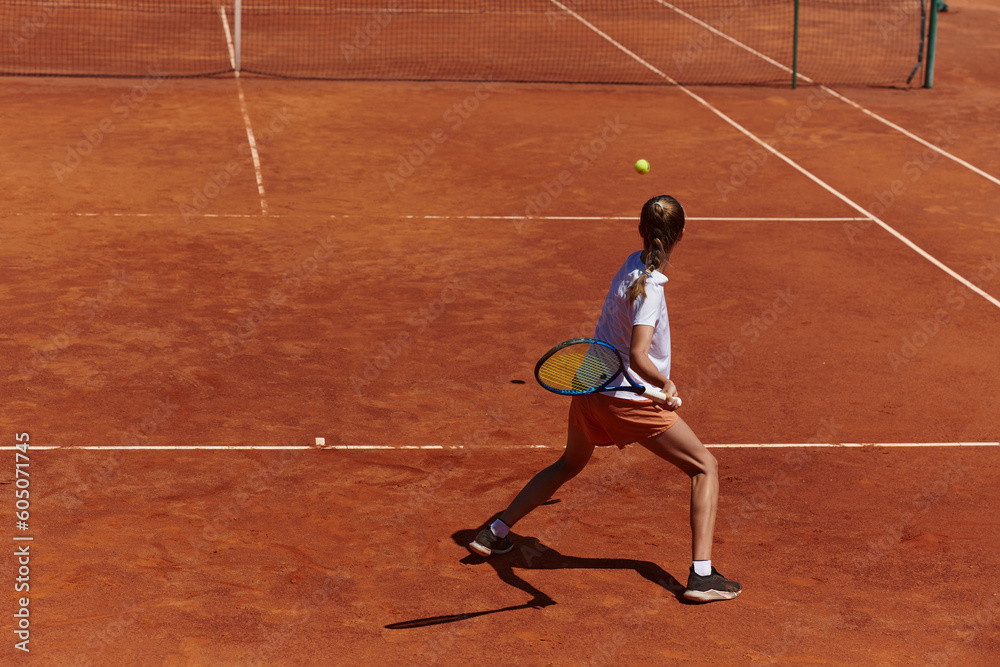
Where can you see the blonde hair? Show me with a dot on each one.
(661, 223)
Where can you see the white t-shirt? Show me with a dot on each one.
(619, 316)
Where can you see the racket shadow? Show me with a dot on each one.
(530, 553)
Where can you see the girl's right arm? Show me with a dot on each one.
(639, 361)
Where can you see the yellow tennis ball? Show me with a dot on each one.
(642, 167)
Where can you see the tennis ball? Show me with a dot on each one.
(642, 167)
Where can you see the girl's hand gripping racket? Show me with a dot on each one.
(587, 365)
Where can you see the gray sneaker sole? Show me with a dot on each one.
(710, 596)
(484, 551)
(477, 548)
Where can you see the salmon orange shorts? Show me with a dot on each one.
(606, 420)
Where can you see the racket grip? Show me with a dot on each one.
(659, 396)
(655, 394)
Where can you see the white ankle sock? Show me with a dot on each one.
(702, 568)
(500, 529)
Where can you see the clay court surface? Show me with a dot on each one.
(162, 296)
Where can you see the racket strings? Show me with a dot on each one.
(579, 368)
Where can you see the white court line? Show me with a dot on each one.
(834, 93)
(147, 215)
(171, 447)
(781, 219)
(862, 444)
(464, 217)
(175, 447)
(246, 116)
(802, 170)
(444, 447)
(610, 217)
(261, 447)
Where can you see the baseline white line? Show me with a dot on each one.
(457, 217)
(445, 447)
(861, 444)
(834, 93)
(369, 447)
(169, 447)
(782, 219)
(246, 115)
(610, 217)
(792, 163)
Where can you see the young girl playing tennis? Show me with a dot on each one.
(634, 320)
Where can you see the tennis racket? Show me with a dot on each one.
(587, 365)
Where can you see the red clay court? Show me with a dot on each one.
(204, 275)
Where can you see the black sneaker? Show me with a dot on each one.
(711, 587)
(486, 543)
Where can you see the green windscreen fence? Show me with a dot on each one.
(871, 42)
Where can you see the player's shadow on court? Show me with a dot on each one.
(530, 554)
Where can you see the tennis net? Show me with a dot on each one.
(565, 41)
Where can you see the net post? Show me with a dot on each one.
(795, 48)
(931, 43)
(238, 37)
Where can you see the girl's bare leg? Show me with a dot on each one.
(545, 483)
(681, 447)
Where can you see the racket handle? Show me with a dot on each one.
(655, 394)
(659, 396)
